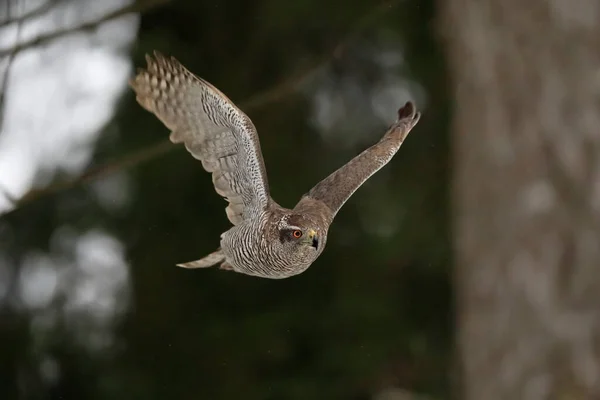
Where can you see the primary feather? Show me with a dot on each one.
(212, 129)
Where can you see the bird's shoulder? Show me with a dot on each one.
(315, 210)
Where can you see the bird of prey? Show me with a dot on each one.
(266, 239)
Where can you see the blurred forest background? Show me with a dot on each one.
(469, 267)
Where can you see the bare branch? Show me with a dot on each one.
(41, 10)
(11, 57)
(138, 6)
(126, 161)
(5, 76)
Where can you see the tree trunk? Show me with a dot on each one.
(526, 133)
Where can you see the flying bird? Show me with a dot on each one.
(266, 239)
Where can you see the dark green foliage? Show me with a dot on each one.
(374, 311)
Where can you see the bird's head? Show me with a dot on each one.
(300, 237)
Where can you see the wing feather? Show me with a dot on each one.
(212, 128)
(338, 187)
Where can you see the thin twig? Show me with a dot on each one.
(138, 6)
(259, 100)
(36, 12)
(127, 161)
(9, 61)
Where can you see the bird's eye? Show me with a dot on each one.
(297, 234)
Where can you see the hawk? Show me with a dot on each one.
(266, 239)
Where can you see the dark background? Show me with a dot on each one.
(373, 313)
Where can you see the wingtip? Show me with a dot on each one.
(154, 58)
(407, 110)
(157, 60)
(159, 57)
(149, 60)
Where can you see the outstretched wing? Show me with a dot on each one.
(337, 188)
(212, 129)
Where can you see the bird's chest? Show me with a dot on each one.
(245, 247)
(250, 251)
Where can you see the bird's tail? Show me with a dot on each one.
(208, 261)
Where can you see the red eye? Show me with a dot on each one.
(297, 234)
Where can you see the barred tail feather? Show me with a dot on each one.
(208, 261)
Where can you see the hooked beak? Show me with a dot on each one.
(313, 238)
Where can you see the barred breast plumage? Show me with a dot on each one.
(266, 240)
